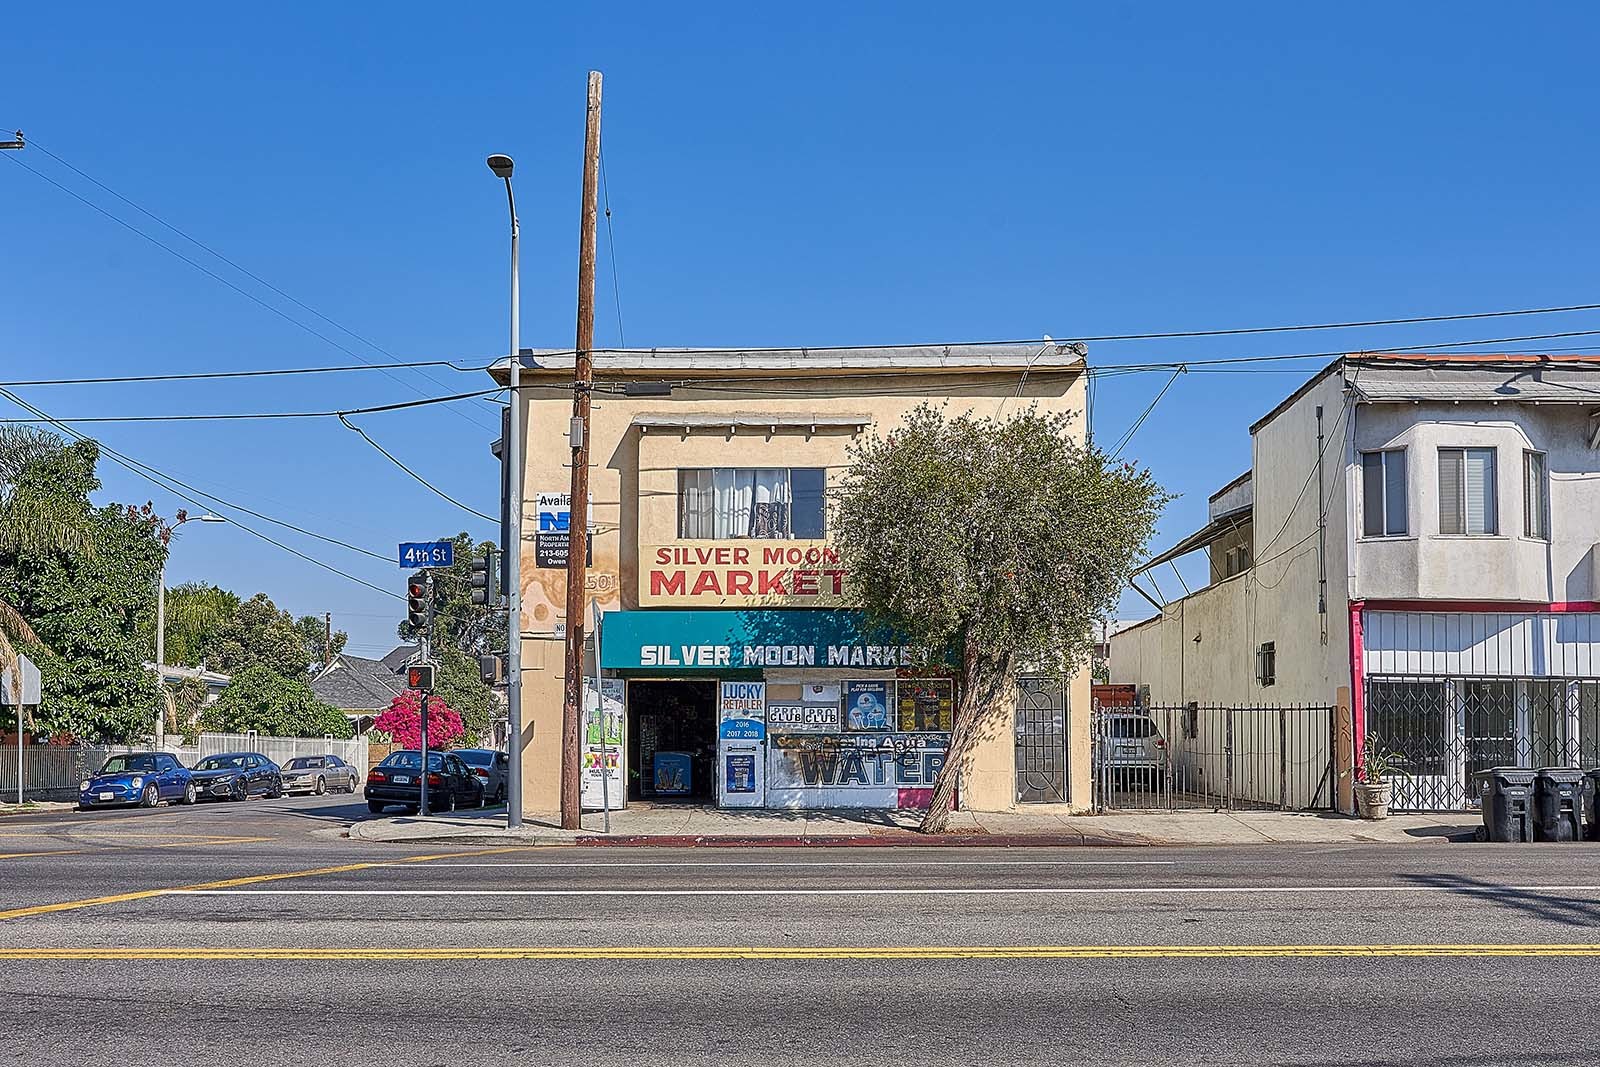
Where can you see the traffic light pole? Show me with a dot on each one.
(427, 657)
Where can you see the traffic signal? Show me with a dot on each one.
(417, 605)
(483, 591)
(420, 677)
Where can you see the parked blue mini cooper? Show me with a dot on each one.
(142, 778)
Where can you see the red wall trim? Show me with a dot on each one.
(1358, 688)
(1555, 607)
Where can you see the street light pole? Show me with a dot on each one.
(161, 624)
(511, 453)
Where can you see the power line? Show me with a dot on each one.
(611, 243)
(431, 487)
(213, 274)
(168, 482)
(236, 416)
(129, 379)
(1123, 441)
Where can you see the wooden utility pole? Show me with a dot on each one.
(578, 505)
(327, 639)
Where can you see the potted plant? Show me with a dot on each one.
(1374, 789)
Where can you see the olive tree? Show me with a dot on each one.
(998, 541)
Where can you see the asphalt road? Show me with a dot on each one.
(251, 932)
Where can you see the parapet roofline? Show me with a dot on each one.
(1036, 355)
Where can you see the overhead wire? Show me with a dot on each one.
(1127, 437)
(183, 491)
(236, 416)
(420, 479)
(213, 274)
(611, 243)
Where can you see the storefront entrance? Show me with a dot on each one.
(672, 740)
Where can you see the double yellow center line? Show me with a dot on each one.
(759, 952)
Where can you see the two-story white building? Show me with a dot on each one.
(1416, 543)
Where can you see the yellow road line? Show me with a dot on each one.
(229, 883)
(931, 952)
(47, 852)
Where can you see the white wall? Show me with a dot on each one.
(1507, 566)
(1203, 647)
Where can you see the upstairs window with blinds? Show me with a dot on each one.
(1535, 496)
(1383, 493)
(1467, 502)
(778, 503)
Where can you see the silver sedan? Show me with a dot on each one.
(318, 775)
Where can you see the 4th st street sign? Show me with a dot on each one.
(427, 554)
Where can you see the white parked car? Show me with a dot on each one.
(1129, 741)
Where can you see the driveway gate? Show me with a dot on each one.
(1216, 757)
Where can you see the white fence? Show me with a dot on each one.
(52, 772)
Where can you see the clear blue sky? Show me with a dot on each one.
(823, 174)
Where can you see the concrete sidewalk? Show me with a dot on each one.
(690, 825)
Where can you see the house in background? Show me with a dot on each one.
(1416, 542)
(363, 688)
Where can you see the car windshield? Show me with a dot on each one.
(477, 757)
(301, 763)
(411, 761)
(220, 763)
(124, 764)
(1132, 726)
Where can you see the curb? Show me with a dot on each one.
(909, 840)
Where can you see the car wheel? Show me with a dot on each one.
(276, 792)
(190, 794)
(500, 794)
(322, 786)
(150, 797)
(375, 807)
(411, 809)
(240, 791)
(445, 805)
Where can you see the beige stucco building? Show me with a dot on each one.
(726, 663)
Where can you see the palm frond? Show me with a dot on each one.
(12, 622)
(10, 660)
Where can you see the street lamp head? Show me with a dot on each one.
(501, 165)
(208, 517)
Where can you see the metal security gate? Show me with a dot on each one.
(1041, 740)
(1215, 757)
(1441, 733)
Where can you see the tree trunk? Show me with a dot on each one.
(984, 682)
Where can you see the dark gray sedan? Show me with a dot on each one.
(319, 775)
(493, 769)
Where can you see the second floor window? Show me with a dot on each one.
(718, 503)
(1383, 493)
(1467, 501)
(1535, 496)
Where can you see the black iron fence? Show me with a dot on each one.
(1441, 733)
(1217, 757)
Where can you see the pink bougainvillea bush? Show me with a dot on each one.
(403, 722)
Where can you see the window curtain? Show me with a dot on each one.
(697, 504)
(769, 507)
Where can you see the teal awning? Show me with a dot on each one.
(746, 640)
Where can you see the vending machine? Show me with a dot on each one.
(742, 745)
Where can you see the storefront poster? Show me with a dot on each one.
(820, 692)
(866, 706)
(551, 537)
(853, 771)
(926, 704)
(739, 772)
(602, 744)
(744, 711)
(804, 718)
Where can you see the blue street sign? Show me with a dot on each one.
(427, 554)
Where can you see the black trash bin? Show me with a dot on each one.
(1591, 814)
(1507, 795)
(1558, 804)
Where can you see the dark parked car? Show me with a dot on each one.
(237, 776)
(490, 765)
(397, 781)
(318, 775)
(142, 778)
